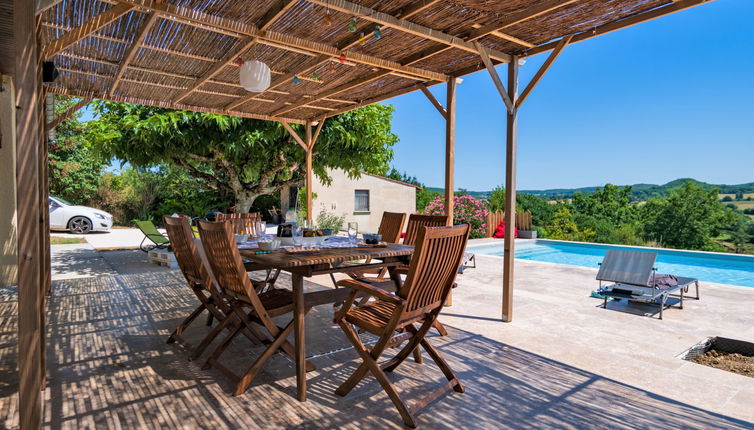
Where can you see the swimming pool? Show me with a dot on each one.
(720, 268)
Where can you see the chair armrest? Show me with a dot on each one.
(366, 288)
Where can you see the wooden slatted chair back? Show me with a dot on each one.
(434, 267)
(227, 266)
(182, 240)
(243, 223)
(416, 222)
(391, 226)
(224, 259)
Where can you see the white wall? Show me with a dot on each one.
(8, 243)
(384, 196)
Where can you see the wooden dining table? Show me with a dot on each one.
(323, 261)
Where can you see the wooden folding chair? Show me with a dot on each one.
(199, 279)
(251, 309)
(431, 275)
(416, 223)
(246, 223)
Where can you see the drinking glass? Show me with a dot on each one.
(261, 228)
(297, 233)
(353, 230)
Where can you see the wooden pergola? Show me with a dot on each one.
(326, 56)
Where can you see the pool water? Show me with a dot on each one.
(711, 267)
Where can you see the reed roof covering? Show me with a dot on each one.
(181, 53)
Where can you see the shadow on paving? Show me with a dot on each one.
(109, 366)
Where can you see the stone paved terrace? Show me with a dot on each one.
(563, 363)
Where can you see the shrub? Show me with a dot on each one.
(467, 210)
(330, 221)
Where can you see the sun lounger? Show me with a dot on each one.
(150, 232)
(634, 277)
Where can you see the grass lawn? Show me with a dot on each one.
(57, 240)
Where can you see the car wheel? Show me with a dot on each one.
(80, 225)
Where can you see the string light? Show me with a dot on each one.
(342, 58)
(296, 80)
(362, 39)
(352, 25)
(377, 33)
(327, 20)
(315, 76)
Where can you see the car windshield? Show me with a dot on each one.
(62, 201)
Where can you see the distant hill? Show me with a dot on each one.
(644, 191)
(639, 191)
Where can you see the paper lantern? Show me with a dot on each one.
(254, 76)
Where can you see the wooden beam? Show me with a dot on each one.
(621, 24)
(367, 102)
(543, 69)
(433, 100)
(30, 290)
(316, 133)
(526, 14)
(509, 242)
(415, 8)
(339, 89)
(43, 5)
(68, 113)
(355, 57)
(133, 49)
(450, 144)
(229, 57)
(534, 11)
(495, 78)
(86, 29)
(278, 9)
(295, 135)
(513, 39)
(168, 105)
(405, 26)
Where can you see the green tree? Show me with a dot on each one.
(688, 217)
(74, 171)
(610, 203)
(740, 236)
(563, 227)
(241, 157)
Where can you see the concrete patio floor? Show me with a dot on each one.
(563, 363)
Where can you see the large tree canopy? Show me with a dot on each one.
(74, 173)
(243, 157)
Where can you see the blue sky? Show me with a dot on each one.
(651, 103)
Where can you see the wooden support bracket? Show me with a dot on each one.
(433, 100)
(495, 77)
(542, 70)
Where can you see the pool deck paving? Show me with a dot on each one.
(564, 362)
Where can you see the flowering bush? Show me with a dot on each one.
(467, 210)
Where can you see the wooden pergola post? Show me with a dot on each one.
(512, 104)
(509, 241)
(308, 145)
(309, 174)
(30, 255)
(450, 143)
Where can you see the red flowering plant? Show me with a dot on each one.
(467, 210)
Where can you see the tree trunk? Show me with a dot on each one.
(244, 201)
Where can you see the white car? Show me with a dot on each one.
(77, 219)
